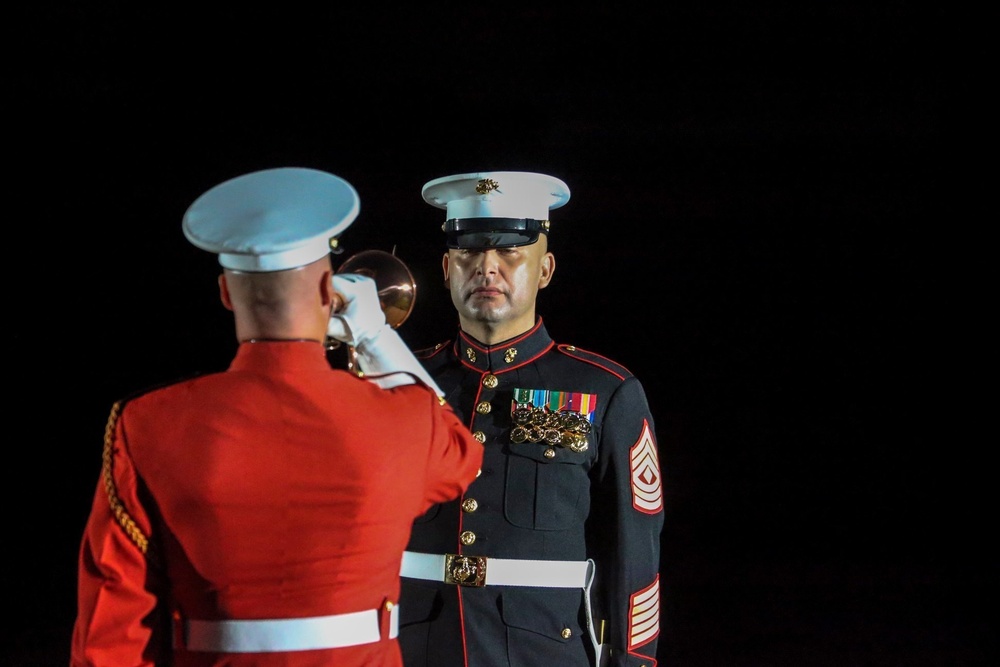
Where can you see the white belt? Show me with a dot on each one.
(287, 634)
(482, 571)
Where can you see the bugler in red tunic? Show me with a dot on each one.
(279, 489)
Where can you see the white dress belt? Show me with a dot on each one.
(496, 571)
(287, 634)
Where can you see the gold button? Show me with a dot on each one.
(470, 505)
(480, 436)
(484, 408)
(467, 537)
(490, 381)
(479, 472)
(389, 605)
(566, 633)
(550, 453)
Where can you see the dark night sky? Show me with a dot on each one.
(750, 232)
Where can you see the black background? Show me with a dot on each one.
(760, 228)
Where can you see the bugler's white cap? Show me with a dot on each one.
(495, 208)
(272, 220)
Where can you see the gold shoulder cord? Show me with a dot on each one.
(124, 520)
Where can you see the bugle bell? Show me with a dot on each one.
(397, 290)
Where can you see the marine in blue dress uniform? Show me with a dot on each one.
(551, 557)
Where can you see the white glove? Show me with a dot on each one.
(361, 317)
(390, 361)
(380, 351)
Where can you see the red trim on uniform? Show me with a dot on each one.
(509, 343)
(527, 361)
(500, 371)
(461, 627)
(429, 352)
(595, 359)
(461, 519)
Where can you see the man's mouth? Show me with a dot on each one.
(485, 292)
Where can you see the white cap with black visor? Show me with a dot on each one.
(495, 209)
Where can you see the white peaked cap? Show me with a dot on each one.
(518, 194)
(272, 220)
(495, 208)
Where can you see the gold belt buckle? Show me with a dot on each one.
(465, 570)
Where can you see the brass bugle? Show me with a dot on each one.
(397, 290)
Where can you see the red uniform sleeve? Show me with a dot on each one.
(117, 622)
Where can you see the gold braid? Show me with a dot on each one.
(124, 520)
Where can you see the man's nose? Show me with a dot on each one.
(487, 262)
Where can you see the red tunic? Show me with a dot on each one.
(278, 489)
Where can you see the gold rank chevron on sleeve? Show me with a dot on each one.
(644, 615)
(647, 490)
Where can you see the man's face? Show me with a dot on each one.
(498, 285)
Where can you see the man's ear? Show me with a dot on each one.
(548, 267)
(444, 268)
(227, 301)
(326, 288)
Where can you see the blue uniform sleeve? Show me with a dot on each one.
(624, 531)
